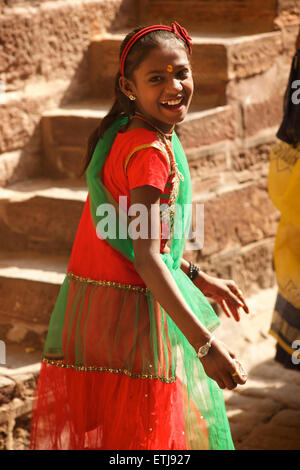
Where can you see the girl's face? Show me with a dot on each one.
(163, 85)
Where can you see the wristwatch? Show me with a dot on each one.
(203, 350)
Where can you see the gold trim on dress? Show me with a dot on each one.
(142, 147)
(107, 369)
(116, 285)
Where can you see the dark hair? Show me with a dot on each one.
(122, 104)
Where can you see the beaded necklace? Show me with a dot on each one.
(163, 138)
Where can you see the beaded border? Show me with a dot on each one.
(107, 369)
(116, 285)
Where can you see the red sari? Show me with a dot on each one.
(96, 403)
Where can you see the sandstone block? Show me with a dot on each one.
(224, 16)
(253, 56)
(261, 115)
(252, 159)
(272, 437)
(30, 302)
(208, 160)
(40, 223)
(207, 127)
(7, 389)
(17, 333)
(260, 405)
(25, 386)
(237, 218)
(250, 266)
(65, 138)
(4, 415)
(18, 165)
(288, 418)
(288, 12)
(52, 37)
(20, 117)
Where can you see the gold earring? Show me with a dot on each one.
(131, 97)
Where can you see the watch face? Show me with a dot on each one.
(203, 350)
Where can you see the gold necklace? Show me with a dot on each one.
(174, 164)
(168, 213)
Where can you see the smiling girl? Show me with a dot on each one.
(130, 361)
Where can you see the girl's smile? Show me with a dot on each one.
(162, 86)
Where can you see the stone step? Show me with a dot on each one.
(20, 135)
(41, 215)
(55, 37)
(235, 215)
(216, 60)
(65, 136)
(29, 286)
(66, 131)
(239, 16)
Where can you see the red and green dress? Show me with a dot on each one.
(117, 373)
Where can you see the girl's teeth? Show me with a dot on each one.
(172, 103)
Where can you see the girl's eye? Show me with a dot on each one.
(182, 74)
(154, 79)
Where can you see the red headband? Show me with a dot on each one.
(174, 28)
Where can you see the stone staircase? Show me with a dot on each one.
(241, 59)
(221, 16)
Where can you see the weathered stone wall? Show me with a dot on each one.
(49, 39)
(57, 53)
(43, 63)
(222, 16)
(16, 396)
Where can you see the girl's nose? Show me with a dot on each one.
(174, 85)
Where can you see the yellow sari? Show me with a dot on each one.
(284, 191)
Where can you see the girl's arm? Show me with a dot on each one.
(224, 291)
(218, 363)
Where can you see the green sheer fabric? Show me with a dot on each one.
(103, 327)
(202, 392)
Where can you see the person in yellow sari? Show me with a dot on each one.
(284, 191)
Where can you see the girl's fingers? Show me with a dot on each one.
(229, 382)
(234, 309)
(236, 299)
(239, 374)
(225, 308)
(220, 383)
(238, 296)
(230, 310)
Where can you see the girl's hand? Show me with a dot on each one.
(219, 364)
(224, 291)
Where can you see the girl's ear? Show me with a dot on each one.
(126, 86)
